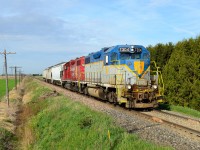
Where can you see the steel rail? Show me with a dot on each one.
(176, 115)
(175, 125)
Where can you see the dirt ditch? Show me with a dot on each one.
(9, 118)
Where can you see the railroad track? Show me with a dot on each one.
(185, 124)
(177, 115)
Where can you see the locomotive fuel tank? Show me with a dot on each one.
(97, 92)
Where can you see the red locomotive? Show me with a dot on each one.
(73, 72)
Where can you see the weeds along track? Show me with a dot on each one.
(137, 122)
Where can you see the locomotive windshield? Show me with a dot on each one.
(146, 56)
(127, 56)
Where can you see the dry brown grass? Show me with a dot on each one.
(15, 117)
(24, 132)
(27, 98)
(8, 116)
(27, 138)
(15, 96)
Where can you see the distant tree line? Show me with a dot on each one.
(36, 74)
(180, 66)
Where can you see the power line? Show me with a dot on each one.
(5, 59)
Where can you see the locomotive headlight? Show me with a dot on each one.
(155, 86)
(129, 87)
(132, 48)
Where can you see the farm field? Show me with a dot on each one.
(11, 84)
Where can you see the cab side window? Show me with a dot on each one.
(114, 58)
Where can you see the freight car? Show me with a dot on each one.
(47, 75)
(119, 74)
(53, 74)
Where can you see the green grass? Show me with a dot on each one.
(65, 124)
(180, 109)
(60, 123)
(11, 84)
(7, 140)
(185, 110)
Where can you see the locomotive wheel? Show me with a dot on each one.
(112, 97)
(85, 91)
(130, 103)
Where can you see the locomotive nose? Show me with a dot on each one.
(139, 67)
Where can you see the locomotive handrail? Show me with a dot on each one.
(160, 78)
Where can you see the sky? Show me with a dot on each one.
(47, 32)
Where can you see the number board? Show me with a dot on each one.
(137, 50)
(124, 49)
(132, 50)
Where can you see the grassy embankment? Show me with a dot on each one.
(11, 84)
(180, 109)
(55, 122)
(186, 110)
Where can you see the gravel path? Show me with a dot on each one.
(133, 123)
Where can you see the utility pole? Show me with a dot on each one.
(7, 90)
(19, 76)
(15, 67)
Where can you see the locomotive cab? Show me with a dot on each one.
(138, 88)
